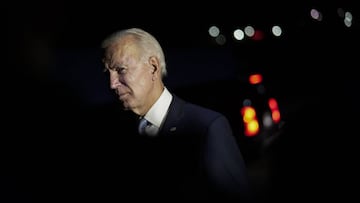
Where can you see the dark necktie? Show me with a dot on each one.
(146, 128)
(142, 125)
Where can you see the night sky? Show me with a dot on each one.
(56, 93)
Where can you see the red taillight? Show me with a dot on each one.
(251, 123)
(255, 79)
(275, 112)
(273, 103)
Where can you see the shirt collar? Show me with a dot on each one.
(157, 112)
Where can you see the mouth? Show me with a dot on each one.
(123, 95)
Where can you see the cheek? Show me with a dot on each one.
(139, 79)
(135, 82)
(143, 85)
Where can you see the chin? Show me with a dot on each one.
(127, 106)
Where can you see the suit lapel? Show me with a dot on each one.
(173, 116)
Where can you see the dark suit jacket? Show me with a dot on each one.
(195, 157)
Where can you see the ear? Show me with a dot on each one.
(154, 62)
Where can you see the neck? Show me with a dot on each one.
(158, 90)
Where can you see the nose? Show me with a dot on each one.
(114, 80)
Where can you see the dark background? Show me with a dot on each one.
(58, 106)
(49, 38)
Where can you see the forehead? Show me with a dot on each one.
(121, 49)
(117, 48)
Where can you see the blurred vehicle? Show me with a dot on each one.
(253, 112)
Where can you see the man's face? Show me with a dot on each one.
(130, 76)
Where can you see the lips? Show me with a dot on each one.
(122, 96)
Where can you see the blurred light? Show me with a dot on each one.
(276, 116)
(248, 113)
(258, 35)
(221, 39)
(252, 128)
(214, 31)
(249, 31)
(275, 112)
(239, 34)
(341, 12)
(267, 120)
(276, 30)
(316, 14)
(348, 16)
(273, 103)
(247, 102)
(347, 23)
(348, 19)
(255, 79)
(251, 124)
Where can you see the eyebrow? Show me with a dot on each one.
(113, 66)
(107, 67)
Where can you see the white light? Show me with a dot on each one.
(249, 31)
(267, 120)
(276, 30)
(315, 14)
(239, 34)
(214, 31)
(348, 16)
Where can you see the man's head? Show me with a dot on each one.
(136, 64)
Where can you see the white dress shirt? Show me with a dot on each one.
(157, 113)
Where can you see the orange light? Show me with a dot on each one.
(276, 116)
(248, 113)
(252, 128)
(255, 79)
(250, 121)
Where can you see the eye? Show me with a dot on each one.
(120, 70)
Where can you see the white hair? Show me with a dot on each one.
(148, 43)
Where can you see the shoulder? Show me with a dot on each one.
(196, 111)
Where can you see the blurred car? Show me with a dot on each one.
(254, 113)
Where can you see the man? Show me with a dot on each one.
(184, 152)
